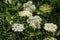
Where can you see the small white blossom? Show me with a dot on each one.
(25, 13)
(17, 27)
(29, 6)
(50, 38)
(34, 22)
(50, 27)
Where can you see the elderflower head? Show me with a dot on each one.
(34, 22)
(17, 27)
(50, 27)
(29, 6)
(25, 13)
(45, 8)
(50, 38)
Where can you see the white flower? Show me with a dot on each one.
(50, 27)
(34, 22)
(25, 13)
(17, 27)
(50, 38)
(29, 6)
(45, 8)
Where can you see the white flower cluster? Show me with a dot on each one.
(50, 27)
(25, 13)
(50, 38)
(29, 6)
(17, 27)
(34, 22)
